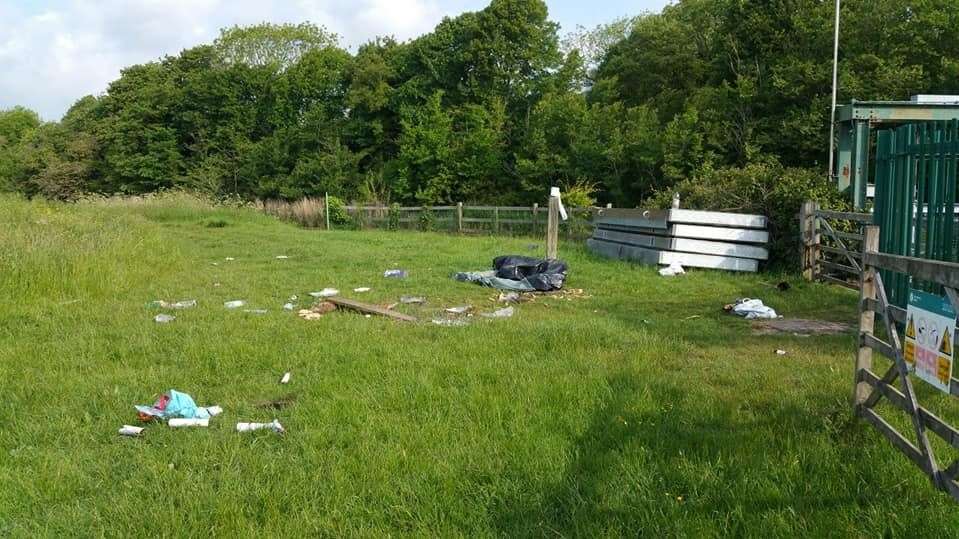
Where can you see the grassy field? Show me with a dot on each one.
(640, 409)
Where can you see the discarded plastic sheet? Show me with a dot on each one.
(450, 322)
(282, 257)
(182, 304)
(460, 310)
(395, 274)
(286, 378)
(288, 306)
(673, 269)
(752, 309)
(325, 293)
(412, 299)
(505, 312)
(520, 274)
(164, 318)
(249, 427)
(362, 289)
(130, 430)
(255, 311)
(780, 352)
(175, 404)
(235, 304)
(177, 422)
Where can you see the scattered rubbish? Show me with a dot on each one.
(780, 352)
(175, 404)
(164, 318)
(693, 317)
(294, 297)
(229, 259)
(519, 273)
(450, 322)
(799, 327)
(273, 425)
(362, 289)
(412, 299)
(505, 312)
(366, 308)
(325, 293)
(509, 297)
(673, 269)
(255, 311)
(234, 304)
(177, 422)
(317, 311)
(285, 379)
(215, 264)
(367, 316)
(216, 285)
(288, 306)
(460, 310)
(751, 309)
(182, 304)
(282, 257)
(278, 403)
(130, 430)
(395, 274)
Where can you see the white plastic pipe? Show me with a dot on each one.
(249, 427)
(177, 422)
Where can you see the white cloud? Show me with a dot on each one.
(51, 57)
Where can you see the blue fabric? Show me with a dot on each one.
(180, 405)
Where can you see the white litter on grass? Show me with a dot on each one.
(229, 259)
(234, 304)
(673, 269)
(177, 422)
(450, 322)
(285, 379)
(325, 293)
(752, 309)
(460, 310)
(184, 304)
(288, 306)
(395, 273)
(282, 257)
(505, 312)
(294, 297)
(273, 425)
(214, 410)
(362, 289)
(509, 297)
(412, 299)
(164, 318)
(780, 352)
(130, 430)
(255, 311)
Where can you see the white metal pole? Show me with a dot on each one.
(835, 84)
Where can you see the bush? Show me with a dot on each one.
(338, 213)
(765, 188)
(427, 220)
(393, 218)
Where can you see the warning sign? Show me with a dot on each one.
(930, 337)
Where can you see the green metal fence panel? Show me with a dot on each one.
(916, 195)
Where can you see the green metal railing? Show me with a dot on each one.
(916, 195)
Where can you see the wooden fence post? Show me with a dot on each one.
(867, 317)
(809, 238)
(459, 217)
(552, 228)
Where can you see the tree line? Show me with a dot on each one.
(494, 107)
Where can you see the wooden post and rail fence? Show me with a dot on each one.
(832, 244)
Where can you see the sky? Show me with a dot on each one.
(52, 52)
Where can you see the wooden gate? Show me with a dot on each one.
(871, 388)
(832, 244)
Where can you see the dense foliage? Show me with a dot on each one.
(491, 106)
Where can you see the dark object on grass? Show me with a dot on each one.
(520, 273)
(783, 286)
(278, 403)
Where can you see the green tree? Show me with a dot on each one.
(277, 46)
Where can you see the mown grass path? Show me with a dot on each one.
(641, 409)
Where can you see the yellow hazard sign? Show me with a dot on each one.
(911, 329)
(946, 346)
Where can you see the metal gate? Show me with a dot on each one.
(916, 195)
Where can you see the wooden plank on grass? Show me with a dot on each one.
(686, 245)
(369, 309)
(715, 218)
(655, 256)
